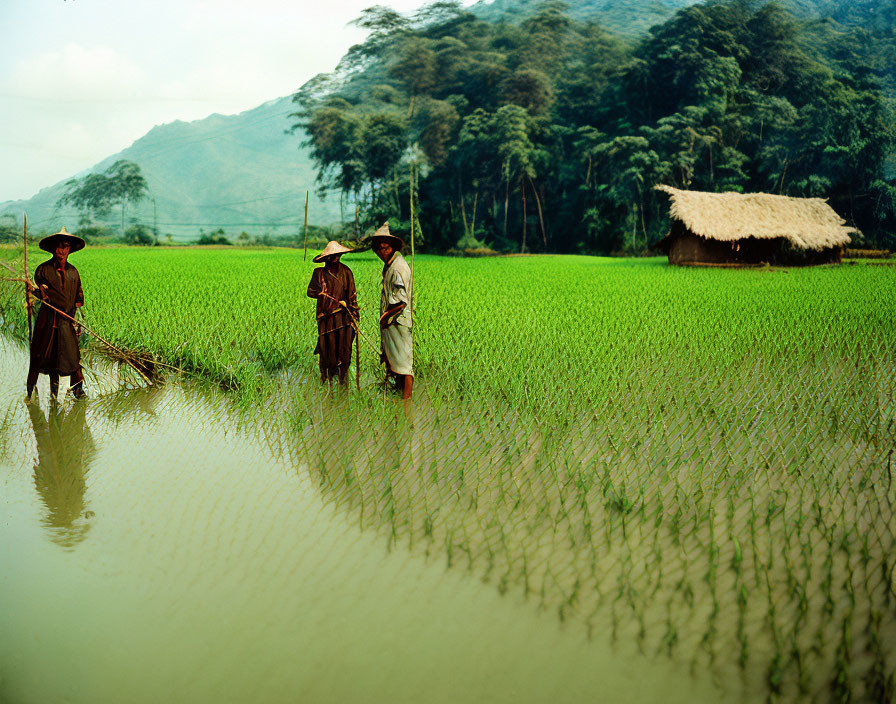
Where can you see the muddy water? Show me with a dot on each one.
(153, 551)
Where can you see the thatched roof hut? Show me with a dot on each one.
(748, 228)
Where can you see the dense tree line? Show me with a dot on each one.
(549, 134)
(95, 194)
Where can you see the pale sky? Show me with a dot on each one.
(83, 79)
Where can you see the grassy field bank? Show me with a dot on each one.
(694, 463)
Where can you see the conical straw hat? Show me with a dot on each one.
(48, 243)
(384, 234)
(333, 247)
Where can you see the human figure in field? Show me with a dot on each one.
(397, 349)
(54, 344)
(337, 312)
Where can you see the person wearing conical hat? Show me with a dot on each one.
(333, 285)
(54, 344)
(395, 310)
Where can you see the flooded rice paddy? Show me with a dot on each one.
(719, 533)
(680, 486)
(158, 545)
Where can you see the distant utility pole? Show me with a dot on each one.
(155, 220)
(306, 227)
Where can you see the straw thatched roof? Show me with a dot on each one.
(809, 223)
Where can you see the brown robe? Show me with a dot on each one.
(54, 344)
(335, 333)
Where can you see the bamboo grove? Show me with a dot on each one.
(548, 134)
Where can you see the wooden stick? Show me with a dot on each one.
(28, 305)
(356, 327)
(358, 335)
(413, 281)
(305, 254)
(362, 335)
(124, 355)
(358, 362)
(412, 254)
(65, 315)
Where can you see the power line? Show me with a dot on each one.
(169, 202)
(232, 224)
(238, 202)
(278, 223)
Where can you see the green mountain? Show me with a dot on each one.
(633, 18)
(628, 17)
(240, 172)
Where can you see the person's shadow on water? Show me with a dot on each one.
(65, 450)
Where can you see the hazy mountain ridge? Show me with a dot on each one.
(634, 17)
(627, 17)
(237, 172)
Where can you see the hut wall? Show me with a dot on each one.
(755, 251)
(687, 248)
(793, 256)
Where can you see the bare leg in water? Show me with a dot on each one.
(31, 381)
(77, 384)
(407, 385)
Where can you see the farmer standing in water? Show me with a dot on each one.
(333, 285)
(54, 345)
(395, 310)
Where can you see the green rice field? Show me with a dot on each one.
(694, 465)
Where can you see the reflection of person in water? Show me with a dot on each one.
(65, 449)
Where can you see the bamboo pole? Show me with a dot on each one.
(28, 305)
(305, 229)
(365, 338)
(357, 328)
(358, 358)
(352, 320)
(356, 325)
(412, 254)
(124, 355)
(358, 335)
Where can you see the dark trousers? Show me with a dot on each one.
(76, 381)
(328, 373)
(335, 349)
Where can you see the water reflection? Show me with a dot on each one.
(127, 407)
(603, 517)
(65, 451)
